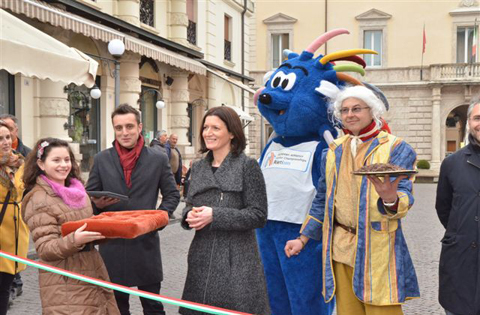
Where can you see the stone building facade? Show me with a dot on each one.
(187, 53)
(428, 88)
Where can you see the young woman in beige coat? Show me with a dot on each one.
(56, 195)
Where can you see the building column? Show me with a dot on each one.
(178, 21)
(213, 93)
(130, 84)
(107, 106)
(54, 111)
(179, 121)
(436, 128)
(129, 11)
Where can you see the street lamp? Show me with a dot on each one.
(160, 104)
(95, 92)
(116, 48)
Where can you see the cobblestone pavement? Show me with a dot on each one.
(421, 228)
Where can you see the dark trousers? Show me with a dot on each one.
(6, 280)
(150, 307)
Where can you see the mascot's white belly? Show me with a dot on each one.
(288, 177)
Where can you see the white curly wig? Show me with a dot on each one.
(361, 93)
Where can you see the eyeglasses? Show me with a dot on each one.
(355, 110)
(475, 119)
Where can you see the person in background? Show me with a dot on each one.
(365, 260)
(175, 158)
(226, 202)
(56, 196)
(17, 144)
(129, 168)
(160, 141)
(458, 208)
(14, 234)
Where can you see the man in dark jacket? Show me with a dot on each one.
(160, 141)
(458, 208)
(129, 168)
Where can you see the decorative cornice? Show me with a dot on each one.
(472, 11)
(373, 14)
(468, 3)
(280, 18)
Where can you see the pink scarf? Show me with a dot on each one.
(73, 195)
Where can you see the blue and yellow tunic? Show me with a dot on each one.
(383, 270)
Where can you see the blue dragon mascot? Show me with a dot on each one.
(295, 102)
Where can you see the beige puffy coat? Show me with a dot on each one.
(44, 212)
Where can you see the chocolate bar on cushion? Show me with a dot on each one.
(121, 224)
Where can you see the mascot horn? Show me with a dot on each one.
(295, 102)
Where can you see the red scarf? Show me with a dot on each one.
(365, 130)
(128, 158)
(15, 144)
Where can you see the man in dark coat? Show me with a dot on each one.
(129, 168)
(458, 208)
(160, 141)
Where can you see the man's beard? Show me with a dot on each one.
(474, 137)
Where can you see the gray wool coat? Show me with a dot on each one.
(134, 262)
(224, 265)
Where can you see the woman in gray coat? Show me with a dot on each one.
(226, 202)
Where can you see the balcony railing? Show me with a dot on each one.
(228, 51)
(147, 12)
(455, 71)
(192, 32)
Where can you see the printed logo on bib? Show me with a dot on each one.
(288, 159)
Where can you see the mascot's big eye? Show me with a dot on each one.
(277, 79)
(289, 81)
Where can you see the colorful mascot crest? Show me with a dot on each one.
(295, 102)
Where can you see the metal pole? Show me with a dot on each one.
(117, 83)
(262, 132)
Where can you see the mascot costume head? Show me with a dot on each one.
(295, 97)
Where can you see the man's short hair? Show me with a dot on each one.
(475, 101)
(124, 109)
(9, 116)
(161, 133)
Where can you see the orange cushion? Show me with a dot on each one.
(121, 224)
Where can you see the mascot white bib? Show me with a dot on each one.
(289, 201)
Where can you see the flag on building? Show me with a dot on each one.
(475, 41)
(424, 39)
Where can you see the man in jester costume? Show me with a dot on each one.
(295, 102)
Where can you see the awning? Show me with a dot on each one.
(241, 114)
(228, 79)
(24, 49)
(164, 55)
(43, 12)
